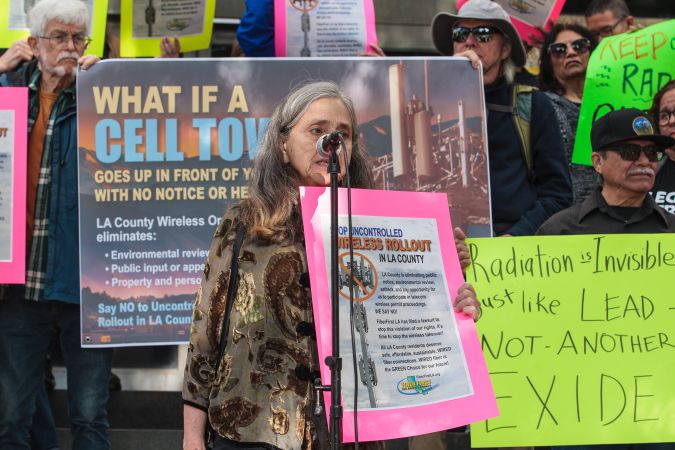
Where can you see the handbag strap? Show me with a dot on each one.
(231, 289)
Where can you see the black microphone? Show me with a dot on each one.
(329, 143)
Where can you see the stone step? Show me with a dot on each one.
(146, 410)
(149, 420)
(134, 439)
(139, 439)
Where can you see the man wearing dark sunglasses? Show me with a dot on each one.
(608, 17)
(529, 177)
(626, 152)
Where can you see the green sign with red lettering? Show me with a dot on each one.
(578, 336)
(625, 71)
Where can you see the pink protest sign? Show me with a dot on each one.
(420, 365)
(323, 27)
(529, 16)
(13, 135)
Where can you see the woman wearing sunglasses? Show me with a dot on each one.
(663, 112)
(564, 60)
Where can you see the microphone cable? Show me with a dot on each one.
(351, 293)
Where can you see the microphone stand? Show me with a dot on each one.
(334, 361)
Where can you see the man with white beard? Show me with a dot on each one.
(626, 152)
(50, 298)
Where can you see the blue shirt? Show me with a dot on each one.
(256, 30)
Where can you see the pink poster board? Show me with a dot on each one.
(307, 30)
(529, 16)
(13, 135)
(412, 416)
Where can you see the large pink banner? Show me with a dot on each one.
(420, 365)
(13, 135)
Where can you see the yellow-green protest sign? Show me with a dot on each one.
(143, 24)
(14, 23)
(579, 337)
(624, 71)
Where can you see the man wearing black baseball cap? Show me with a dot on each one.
(626, 151)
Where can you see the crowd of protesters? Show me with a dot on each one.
(536, 189)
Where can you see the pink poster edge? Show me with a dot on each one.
(14, 271)
(427, 418)
(371, 30)
(280, 27)
(529, 33)
(526, 30)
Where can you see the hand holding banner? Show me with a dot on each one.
(144, 24)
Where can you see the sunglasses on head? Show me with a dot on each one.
(559, 49)
(482, 33)
(631, 152)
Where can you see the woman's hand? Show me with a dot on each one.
(462, 249)
(170, 47)
(373, 50)
(193, 444)
(467, 302)
(87, 61)
(194, 426)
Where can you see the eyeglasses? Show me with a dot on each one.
(482, 34)
(61, 39)
(559, 49)
(631, 152)
(608, 30)
(665, 115)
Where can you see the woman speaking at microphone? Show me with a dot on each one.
(262, 394)
(254, 376)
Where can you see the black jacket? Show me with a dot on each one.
(594, 216)
(520, 206)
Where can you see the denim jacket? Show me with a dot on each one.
(62, 278)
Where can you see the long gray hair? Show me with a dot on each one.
(271, 213)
